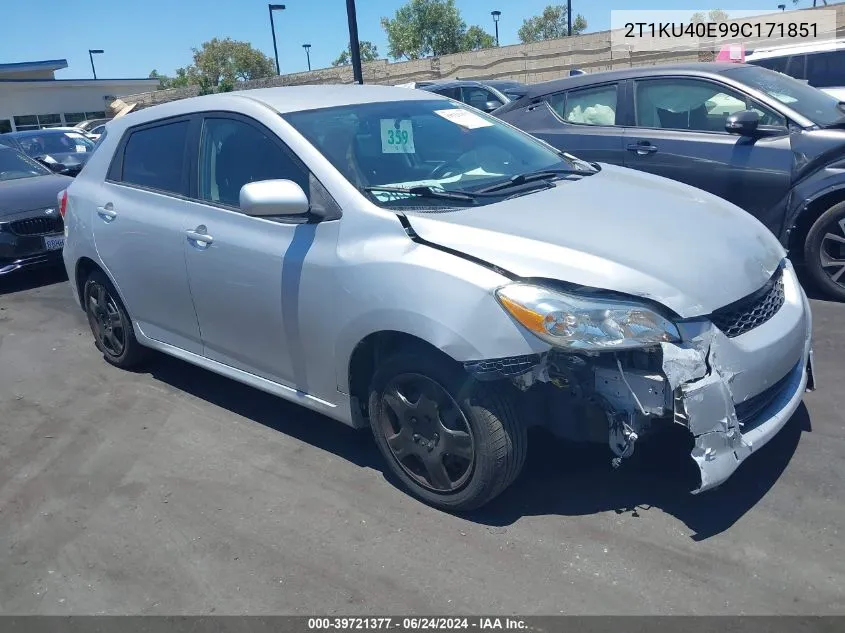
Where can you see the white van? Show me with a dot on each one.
(821, 64)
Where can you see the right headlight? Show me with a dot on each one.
(585, 323)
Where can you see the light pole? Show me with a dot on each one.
(307, 48)
(496, 15)
(271, 8)
(354, 45)
(91, 53)
(569, 17)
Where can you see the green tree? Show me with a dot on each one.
(163, 80)
(218, 64)
(713, 15)
(368, 51)
(421, 28)
(229, 60)
(477, 38)
(551, 24)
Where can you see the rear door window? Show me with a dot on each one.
(154, 158)
(588, 106)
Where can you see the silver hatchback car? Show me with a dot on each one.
(398, 260)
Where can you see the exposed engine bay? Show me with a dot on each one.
(621, 397)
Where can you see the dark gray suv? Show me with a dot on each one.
(764, 141)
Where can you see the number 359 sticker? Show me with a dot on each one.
(397, 136)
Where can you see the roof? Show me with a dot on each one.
(697, 68)
(27, 67)
(282, 100)
(453, 83)
(795, 49)
(296, 98)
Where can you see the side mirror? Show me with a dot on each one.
(269, 198)
(744, 123)
(493, 104)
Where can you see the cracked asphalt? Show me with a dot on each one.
(175, 491)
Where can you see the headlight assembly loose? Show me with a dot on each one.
(585, 323)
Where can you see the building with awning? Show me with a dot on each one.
(32, 98)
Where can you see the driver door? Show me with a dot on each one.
(680, 133)
(244, 271)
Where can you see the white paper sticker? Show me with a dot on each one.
(464, 118)
(81, 148)
(397, 136)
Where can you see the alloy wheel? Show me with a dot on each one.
(106, 320)
(427, 433)
(832, 252)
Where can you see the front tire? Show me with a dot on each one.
(453, 442)
(824, 252)
(110, 324)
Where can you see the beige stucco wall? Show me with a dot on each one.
(530, 63)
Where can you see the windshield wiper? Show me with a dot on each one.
(531, 176)
(425, 191)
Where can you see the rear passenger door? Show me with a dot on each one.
(586, 122)
(138, 224)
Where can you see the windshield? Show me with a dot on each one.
(437, 144)
(817, 106)
(39, 144)
(14, 165)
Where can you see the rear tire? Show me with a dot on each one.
(824, 252)
(453, 442)
(110, 323)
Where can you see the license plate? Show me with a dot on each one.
(54, 243)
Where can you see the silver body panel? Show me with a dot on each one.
(283, 306)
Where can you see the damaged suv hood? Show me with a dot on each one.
(619, 230)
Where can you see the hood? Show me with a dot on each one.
(26, 194)
(619, 230)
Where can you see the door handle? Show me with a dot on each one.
(107, 212)
(642, 148)
(199, 236)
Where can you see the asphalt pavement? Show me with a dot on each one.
(175, 491)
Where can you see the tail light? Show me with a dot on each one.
(63, 203)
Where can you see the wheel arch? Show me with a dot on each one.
(84, 267)
(812, 209)
(365, 358)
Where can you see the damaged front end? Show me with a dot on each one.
(732, 386)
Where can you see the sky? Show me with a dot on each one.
(138, 37)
